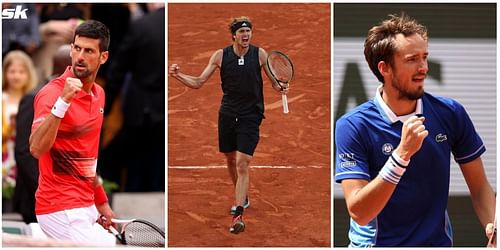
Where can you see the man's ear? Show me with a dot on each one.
(384, 68)
(104, 57)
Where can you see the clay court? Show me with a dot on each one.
(290, 179)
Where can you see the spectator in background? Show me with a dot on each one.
(141, 57)
(64, 11)
(19, 77)
(20, 34)
(27, 165)
(112, 141)
(118, 25)
(58, 24)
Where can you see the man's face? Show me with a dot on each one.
(242, 36)
(86, 57)
(409, 69)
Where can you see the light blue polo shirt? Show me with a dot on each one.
(416, 214)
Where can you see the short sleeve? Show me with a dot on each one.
(42, 105)
(468, 144)
(351, 160)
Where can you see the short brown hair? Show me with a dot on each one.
(379, 43)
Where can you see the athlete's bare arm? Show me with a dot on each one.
(42, 138)
(197, 82)
(482, 195)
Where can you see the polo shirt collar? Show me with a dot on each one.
(388, 114)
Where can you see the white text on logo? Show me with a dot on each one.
(17, 13)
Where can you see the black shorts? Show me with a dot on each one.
(238, 133)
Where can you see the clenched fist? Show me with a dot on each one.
(71, 87)
(413, 134)
(173, 70)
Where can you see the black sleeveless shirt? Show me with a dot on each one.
(241, 83)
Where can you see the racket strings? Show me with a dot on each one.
(141, 234)
(281, 68)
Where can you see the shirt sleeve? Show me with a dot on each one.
(351, 161)
(468, 144)
(42, 105)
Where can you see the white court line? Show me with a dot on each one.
(267, 167)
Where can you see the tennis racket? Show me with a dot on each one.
(492, 241)
(136, 232)
(281, 68)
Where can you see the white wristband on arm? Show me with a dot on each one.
(60, 108)
(393, 169)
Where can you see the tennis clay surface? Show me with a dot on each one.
(289, 206)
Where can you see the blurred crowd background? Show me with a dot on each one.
(36, 50)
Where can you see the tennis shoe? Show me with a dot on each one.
(238, 225)
(245, 206)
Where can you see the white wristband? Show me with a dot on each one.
(60, 108)
(392, 171)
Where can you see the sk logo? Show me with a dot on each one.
(441, 138)
(17, 13)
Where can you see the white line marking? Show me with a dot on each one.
(267, 167)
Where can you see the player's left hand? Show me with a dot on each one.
(106, 212)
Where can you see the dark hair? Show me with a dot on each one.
(379, 43)
(96, 30)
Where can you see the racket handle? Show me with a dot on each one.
(114, 231)
(116, 234)
(285, 104)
